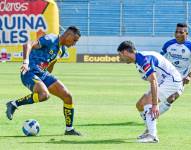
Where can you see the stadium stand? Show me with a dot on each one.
(113, 20)
(125, 17)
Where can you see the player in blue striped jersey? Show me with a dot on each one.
(38, 61)
(178, 51)
(165, 84)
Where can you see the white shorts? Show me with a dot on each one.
(168, 87)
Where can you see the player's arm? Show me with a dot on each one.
(153, 84)
(26, 53)
(27, 50)
(154, 91)
(51, 66)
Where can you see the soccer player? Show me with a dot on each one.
(38, 61)
(178, 52)
(165, 83)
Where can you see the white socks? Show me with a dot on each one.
(150, 122)
(142, 114)
(14, 103)
(163, 107)
(69, 128)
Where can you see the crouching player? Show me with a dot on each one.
(38, 61)
(165, 84)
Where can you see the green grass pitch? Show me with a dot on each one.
(105, 97)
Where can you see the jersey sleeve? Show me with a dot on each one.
(164, 49)
(148, 68)
(166, 45)
(45, 41)
(145, 65)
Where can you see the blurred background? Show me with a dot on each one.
(104, 24)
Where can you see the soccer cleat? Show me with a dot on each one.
(143, 134)
(72, 132)
(148, 139)
(10, 110)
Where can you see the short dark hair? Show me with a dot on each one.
(127, 45)
(74, 29)
(183, 25)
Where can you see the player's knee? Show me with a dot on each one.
(139, 106)
(68, 98)
(44, 96)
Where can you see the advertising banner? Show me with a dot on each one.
(98, 58)
(25, 20)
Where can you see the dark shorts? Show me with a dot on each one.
(32, 76)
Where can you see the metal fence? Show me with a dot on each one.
(124, 17)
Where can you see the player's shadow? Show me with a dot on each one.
(23, 136)
(109, 141)
(113, 124)
(13, 136)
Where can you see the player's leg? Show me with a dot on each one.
(146, 102)
(168, 93)
(140, 108)
(58, 89)
(39, 93)
(166, 105)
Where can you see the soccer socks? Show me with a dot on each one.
(142, 114)
(29, 99)
(163, 107)
(69, 116)
(151, 122)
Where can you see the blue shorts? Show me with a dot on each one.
(32, 76)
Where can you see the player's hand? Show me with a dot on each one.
(155, 111)
(24, 68)
(186, 80)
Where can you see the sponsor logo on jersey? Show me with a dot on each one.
(146, 67)
(173, 49)
(51, 52)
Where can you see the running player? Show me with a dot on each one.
(38, 61)
(178, 52)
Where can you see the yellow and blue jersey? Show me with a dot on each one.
(40, 59)
(48, 51)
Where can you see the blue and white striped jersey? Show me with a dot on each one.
(148, 62)
(179, 55)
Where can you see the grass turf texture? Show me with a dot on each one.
(105, 113)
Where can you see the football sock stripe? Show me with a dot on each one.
(69, 114)
(29, 99)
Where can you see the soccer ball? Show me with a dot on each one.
(31, 127)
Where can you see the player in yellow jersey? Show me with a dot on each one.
(38, 61)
